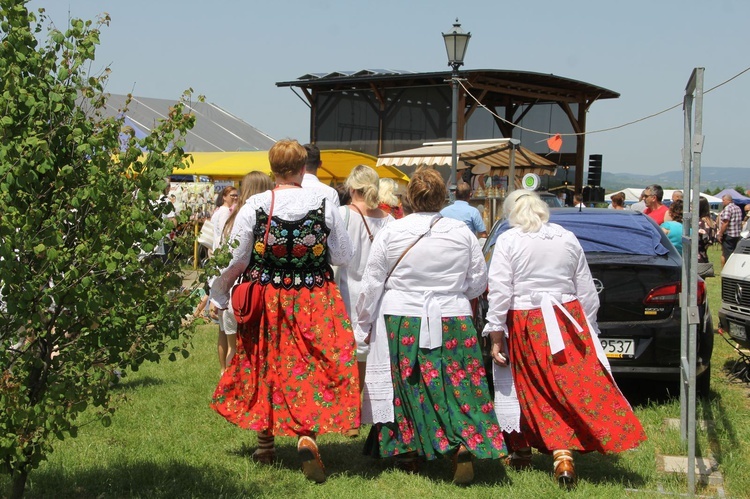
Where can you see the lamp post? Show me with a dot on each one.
(456, 42)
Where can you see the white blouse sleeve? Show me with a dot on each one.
(242, 232)
(585, 289)
(500, 281)
(476, 277)
(339, 243)
(373, 284)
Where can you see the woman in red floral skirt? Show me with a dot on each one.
(297, 375)
(557, 394)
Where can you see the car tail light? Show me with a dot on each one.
(670, 294)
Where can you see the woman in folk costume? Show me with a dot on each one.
(363, 219)
(297, 376)
(422, 271)
(542, 299)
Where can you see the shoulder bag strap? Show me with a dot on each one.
(367, 227)
(410, 247)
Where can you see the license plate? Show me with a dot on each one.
(618, 348)
(737, 331)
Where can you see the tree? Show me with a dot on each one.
(81, 298)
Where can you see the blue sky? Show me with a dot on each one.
(234, 51)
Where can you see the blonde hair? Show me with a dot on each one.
(426, 191)
(365, 181)
(386, 189)
(287, 157)
(252, 183)
(525, 209)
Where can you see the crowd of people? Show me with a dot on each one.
(388, 339)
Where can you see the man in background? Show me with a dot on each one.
(640, 206)
(310, 180)
(462, 210)
(654, 207)
(729, 228)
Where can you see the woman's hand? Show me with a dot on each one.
(499, 349)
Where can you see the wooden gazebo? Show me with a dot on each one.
(383, 111)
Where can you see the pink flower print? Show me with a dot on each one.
(406, 373)
(476, 379)
(428, 365)
(465, 409)
(451, 344)
(434, 373)
(277, 397)
(481, 371)
(346, 356)
(470, 342)
(308, 240)
(487, 408)
(443, 444)
(298, 369)
(328, 395)
(440, 433)
(461, 373)
(455, 380)
(397, 402)
(436, 407)
(478, 438)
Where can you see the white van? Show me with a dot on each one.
(734, 315)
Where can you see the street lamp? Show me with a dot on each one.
(456, 42)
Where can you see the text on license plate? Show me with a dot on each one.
(737, 331)
(618, 348)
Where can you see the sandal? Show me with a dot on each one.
(519, 460)
(312, 465)
(463, 468)
(565, 472)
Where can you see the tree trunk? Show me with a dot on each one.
(19, 485)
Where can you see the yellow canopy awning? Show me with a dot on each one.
(337, 164)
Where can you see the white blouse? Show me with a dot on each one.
(436, 278)
(350, 275)
(291, 205)
(528, 265)
(219, 220)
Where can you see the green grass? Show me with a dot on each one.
(165, 441)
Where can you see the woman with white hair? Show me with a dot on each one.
(542, 322)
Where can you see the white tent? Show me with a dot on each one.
(632, 195)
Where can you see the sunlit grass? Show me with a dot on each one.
(166, 442)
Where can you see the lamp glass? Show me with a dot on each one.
(456, 42)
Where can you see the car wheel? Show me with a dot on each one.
(703, 383)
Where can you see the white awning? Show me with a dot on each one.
(499, 154)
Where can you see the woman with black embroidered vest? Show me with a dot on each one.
(556, 393)
(422, 271)
(363, 219)
(297, 376)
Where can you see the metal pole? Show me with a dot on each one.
(452, 185)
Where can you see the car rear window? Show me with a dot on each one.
(602, 230)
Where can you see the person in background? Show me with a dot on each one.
(673, 226)
(639, 206)
(344, 196)
(462, 210)
(729, 228)
(562, 196)
(676, 196)
(388, 201)
(553, 387)
(422, 272)
(654, 208)
(226, 344)
(706, 230)
(311, 181)
(578, 201)
(618, 201)
(363, 220)
(252, 183)
(295, 374)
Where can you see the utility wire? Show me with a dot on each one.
(460, 82)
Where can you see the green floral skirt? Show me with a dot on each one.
(441, 398)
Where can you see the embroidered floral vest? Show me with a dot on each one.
(297, 254)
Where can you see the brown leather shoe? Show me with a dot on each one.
(264, 456)
(312, 465)
(408, 463)
(565, 471)
(463, 468)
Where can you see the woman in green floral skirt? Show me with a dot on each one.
(421, 273)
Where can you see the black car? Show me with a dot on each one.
(637, 273)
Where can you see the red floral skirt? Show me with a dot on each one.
(568, 400)
(298, 374)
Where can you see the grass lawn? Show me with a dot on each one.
(165, 441)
